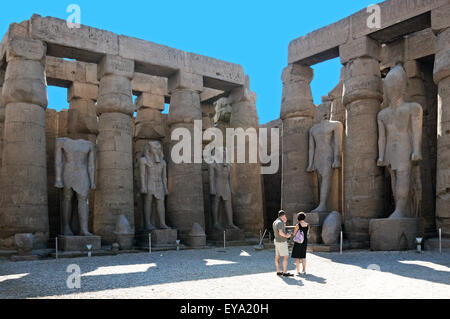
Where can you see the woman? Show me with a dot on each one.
(299, 250)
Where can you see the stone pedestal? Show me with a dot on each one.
(114, 195)
(161, 238)
(125, 241)
(230, 235)
(297, 113)
(393, 234)
(23, 202)
(363, 180)
(79, 243)
(196, 238)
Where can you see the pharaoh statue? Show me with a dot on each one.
(325, 149)
(400, 141)
(153, 173)
(220, 189)
(75, 171)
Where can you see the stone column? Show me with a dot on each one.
(297, 113)
(185, 199)
(114, 194)
(82, 120)
(23, 207)
(441, 27)
(248, 209)
(149, 125)
(422, 174)
(363, 181)
(2, 114)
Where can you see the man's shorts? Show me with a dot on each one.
(281, 249)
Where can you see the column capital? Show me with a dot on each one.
(297, 72)
(185, 80)
(115, 65)
(440, 19)
(359, 48)
(25, 48)
(80, 90)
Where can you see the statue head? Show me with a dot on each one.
(153, 150)
(223, 110)
(323, 111)
(395, 85)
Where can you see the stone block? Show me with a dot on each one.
(230, 235)
(56, 31)
(115, 65)
(60, 71)
(393, 234)
(151, 101)
(24, 244)
(82, 91)
(160, 238)
(315, 234)
(392, 53)
(125, 241)
(149, 84)
(361, 47)
(331, 229)
(412, 69)
(79, 243)
(420, 44)
(185, 80)
(19, 258)
(440, 18)
(25, 48)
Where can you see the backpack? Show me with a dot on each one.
(299, 237)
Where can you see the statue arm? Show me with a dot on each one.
(381, 141)
(338, 132)
(312, 149)
(164, 177)
(91, 168)
(59, 163)
(416, 124)
(143, 177)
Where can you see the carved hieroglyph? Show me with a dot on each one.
(153, 169)
(220, 175)
(325, 149)
(75, 171)
(400, 140)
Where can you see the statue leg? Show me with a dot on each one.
(324, 186)
(402, 191)
(161, 214)
(229, 212)
(148, 212)
(215, 212)
(67, 211)
(83, 215)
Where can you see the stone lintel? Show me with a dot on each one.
(358, 48)
(115, 65)
(440, 18)
(149, 84)
(62, 72)
(355, 26)
(420, 44)
(82, 91)
(185, 80)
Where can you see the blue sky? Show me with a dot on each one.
(254, 34)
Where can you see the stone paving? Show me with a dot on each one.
(240, 272)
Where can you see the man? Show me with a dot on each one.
(281, 245)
